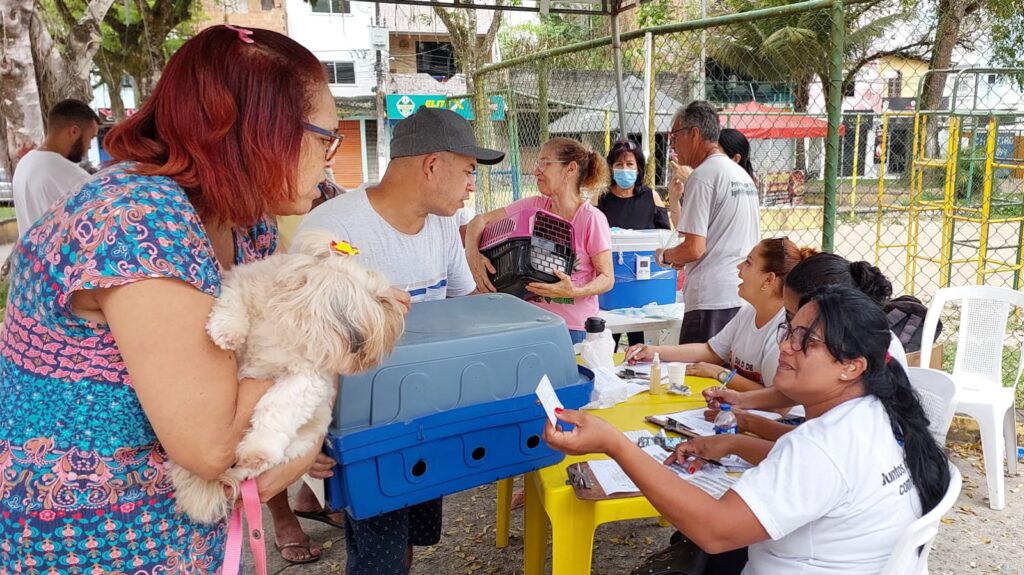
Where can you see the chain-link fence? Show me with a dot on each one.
(925, 179)
(730, 62)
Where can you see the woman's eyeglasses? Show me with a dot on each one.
(543, 164)
(333, 139)
(799, 337)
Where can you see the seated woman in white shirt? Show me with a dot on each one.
(814, 272)
(747, 342)
(831, 497)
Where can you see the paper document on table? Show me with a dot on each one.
(735, 463)
(711, 478)
(693, 421)
(611, 477)
(635, 436)
(548, 399)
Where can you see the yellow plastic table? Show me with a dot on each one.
(550, 502)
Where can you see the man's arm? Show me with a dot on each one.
(691, 249)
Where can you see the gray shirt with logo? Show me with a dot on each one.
(720, 203)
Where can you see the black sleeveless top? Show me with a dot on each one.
(638, 212)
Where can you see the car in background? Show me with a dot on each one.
(6, 189)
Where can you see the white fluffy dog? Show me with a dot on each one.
(298, 320)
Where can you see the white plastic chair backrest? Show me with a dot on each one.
(905, 559)
(984, 312)
(937, 391)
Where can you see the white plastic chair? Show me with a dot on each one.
(937, 391)
(905, 558)
(978, 373)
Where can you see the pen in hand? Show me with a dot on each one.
(635, 353)
(728, 378)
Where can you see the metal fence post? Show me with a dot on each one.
(834, 105)
(482, 112)
(542, 98)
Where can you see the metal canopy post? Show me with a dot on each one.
(617, 56)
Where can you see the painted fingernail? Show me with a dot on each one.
(558, 410)
(692, 470)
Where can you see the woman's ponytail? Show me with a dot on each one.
(855, 327)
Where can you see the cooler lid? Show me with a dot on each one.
(472, 317)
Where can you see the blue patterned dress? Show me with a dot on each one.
(83, 482)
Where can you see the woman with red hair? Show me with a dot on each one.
(106, 370)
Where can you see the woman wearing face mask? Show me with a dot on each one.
(628, 203)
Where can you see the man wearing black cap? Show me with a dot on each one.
(403, 229)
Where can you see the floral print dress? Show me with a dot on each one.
(83, 481)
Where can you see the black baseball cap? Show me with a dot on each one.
(432, 130)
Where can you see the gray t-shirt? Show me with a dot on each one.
(720, 203)
(430, 265)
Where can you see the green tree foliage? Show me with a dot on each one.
(138, 38)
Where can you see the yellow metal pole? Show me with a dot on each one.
(881, 189)
(986, 200)
(652, 125)
(607, 131)
(948, 203)
(856, 161)
(912, 213)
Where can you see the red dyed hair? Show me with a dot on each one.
(225, 122)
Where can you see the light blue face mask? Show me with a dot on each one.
(624, 178)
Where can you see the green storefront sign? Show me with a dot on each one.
(404, 105)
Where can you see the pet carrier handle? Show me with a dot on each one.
(254, 517)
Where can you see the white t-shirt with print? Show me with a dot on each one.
(753, 351)
(430, 265)
(834, 495)
(721, 205)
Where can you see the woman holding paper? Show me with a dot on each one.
(814, 503)
(747, 342)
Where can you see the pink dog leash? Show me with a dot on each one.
(254, 517)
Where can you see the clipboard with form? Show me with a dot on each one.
(691, 423)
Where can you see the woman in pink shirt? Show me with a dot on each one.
(563, 168)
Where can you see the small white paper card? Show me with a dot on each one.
(548, 399)
(317, 487)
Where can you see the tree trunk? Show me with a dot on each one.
(63, 67)
(19, 95)
(950, 16)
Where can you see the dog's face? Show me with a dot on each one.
(333, 311)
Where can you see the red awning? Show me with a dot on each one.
(758, 121)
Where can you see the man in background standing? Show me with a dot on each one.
(47, 174)
(720, 223)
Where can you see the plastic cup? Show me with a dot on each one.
(676, 373)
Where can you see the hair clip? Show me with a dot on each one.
(243, 33)
(344, 248)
